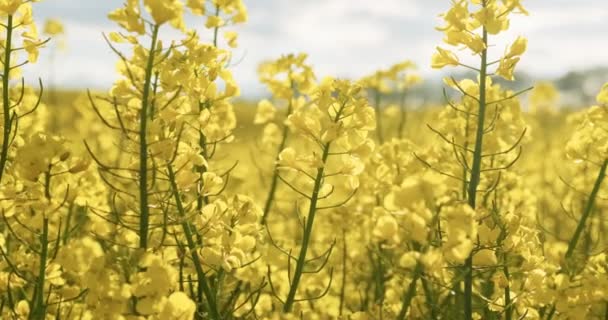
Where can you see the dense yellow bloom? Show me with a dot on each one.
(387, 228)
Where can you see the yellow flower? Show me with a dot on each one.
(386, 228)
(444, 58)
(517, 48)
(212, 183)
(507, 67)
(129, 17)
(23, 309)
(241, 12)
(9, 7)
(515, 4)
(409, 260)
(31, 48)
(602, 97)
(288, 158)
(231, 37)
(163, 11)
(457, 16)
(196, 6)
(485, 257)
(178, 307)
(492, 19)
(53, 27)
(271, 136)
(214, 22)
(265, 113)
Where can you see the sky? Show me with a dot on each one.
(344, 38)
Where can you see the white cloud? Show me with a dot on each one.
(86, 62)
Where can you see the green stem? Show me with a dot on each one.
(216, 29)
(465, 173)
(551, 312)
(343, 287)
(508, 304)
(379, 276)
(5, 96)
(39, 308)
(201, 199)
(587, 211)
(476, 174)
(187, 227)
(291, 296)
(275, 173)
(144, 220)
(66, 232)
(409, 295)
(47, 183)
(428, 294)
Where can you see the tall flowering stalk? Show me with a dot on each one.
(136, 95)
(470, 28)
(336, 125)
(17, 17)
(588, 145)
(288, 78)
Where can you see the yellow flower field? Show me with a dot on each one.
(169, 197)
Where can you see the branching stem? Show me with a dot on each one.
(144, 220)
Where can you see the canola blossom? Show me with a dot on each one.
(167, 197)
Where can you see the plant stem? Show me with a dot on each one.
(144, 219)
(409, 295)
(216, 29)
(39, 308)
(476, 173)
(275, 173)
(587, 211)
(6, 133)
(428, 294)
(201, 199)
(200, 274)
(508, 304)
(291, 296)
(343, 287)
